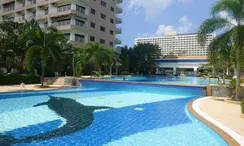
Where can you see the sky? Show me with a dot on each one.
(151, 18)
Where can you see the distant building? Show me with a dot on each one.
(80, 20)
(179, 44)
(175, 65)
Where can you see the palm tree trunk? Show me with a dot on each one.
(43, 75)
(110, 69)
(238, 74)
(73, 65)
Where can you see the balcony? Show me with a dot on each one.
(68, 12)
(118, 19)
(117, 41)
(118, 9)
(70, 25)
(41, 17)
(118, 30)
(42, 3)
(20, 19)
(7, 1)
(63, 1)
(119, 1)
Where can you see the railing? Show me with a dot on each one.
(10, 8)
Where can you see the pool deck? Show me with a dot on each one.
(223, 117)
(29, 87)
(225, 113)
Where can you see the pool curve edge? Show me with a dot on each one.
(229, 140)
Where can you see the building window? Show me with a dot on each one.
(67, 36)
(63, 22)
(103, 3)
(46, 11)
(92, 38)
(8, 7)
(80, 9)
(112, 20)
(64, 8)
(111, 44)
(103, 16)
(102, 41)
(112, 9)
(79, 38)
(93, 11)
(93, 25)
(111, 32)
(102, 28)
(45, 24)
(79, 23)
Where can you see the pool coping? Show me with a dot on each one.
(143, 83)
(230, 136)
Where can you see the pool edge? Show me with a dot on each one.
(229, 139)
(143, 83)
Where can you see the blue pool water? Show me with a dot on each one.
(171, 80)
(136, 115)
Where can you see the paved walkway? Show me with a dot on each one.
(225, 113)
(30, 87)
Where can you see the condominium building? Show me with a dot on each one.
(80, 20)
(179, 44)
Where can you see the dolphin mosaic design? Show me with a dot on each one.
(78, 117)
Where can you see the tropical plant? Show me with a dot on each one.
(232, 29)
(43, 45)
(219, 56)
(97, 54)
(12, 46)
(113, 58)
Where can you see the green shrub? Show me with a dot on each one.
(232, 89)
(242, 106)
(125, 73)
(11, 79)
(228, 77)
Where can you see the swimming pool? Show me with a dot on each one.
(170, 80)
(104, 113)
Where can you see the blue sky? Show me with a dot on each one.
(145, 18)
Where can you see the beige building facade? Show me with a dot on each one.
(80, 20)
(179, 44)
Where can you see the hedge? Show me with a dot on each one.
(11, 79)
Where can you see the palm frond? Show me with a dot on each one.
(211, 25)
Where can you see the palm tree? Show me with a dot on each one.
(97, 54)
(43, 45)
(219, 56)
(232, 28)
(113, 58)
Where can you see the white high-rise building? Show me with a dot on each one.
(179, 44)
(80, 20)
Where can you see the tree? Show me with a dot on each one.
(43, 45)
(113, 58)
(12, 46)
(232, 29)
(143, 56)
(219, 56)
(97, 54)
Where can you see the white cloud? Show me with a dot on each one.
(184, 27)
(225, 15)
(153, 8)
(162, 29)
